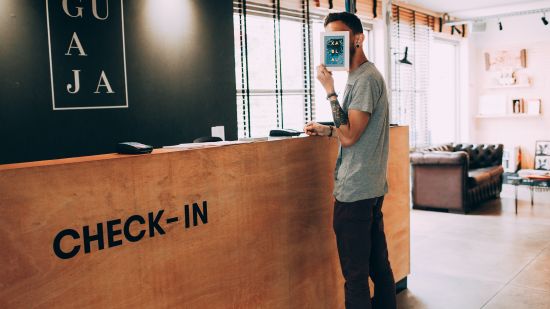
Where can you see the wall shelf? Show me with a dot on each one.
(509, 86)
(509, 116)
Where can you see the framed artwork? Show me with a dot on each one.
(542, 155)
(505, 59)
(542, 163)
(542, 148)
(335, 50)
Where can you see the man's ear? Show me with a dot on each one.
(360, 38)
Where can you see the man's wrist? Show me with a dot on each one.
(332, 96)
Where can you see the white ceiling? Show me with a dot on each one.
(477, 8)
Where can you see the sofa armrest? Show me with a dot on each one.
(439, 158)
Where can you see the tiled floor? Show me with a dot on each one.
(490, 258)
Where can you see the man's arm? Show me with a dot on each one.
(349, 127)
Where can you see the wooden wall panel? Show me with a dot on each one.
(268, 242)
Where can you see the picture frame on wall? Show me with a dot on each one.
(542, 163)
(335, 50)
(542, 155)
(496, 60)
(542, 148)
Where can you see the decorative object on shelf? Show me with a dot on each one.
(518, 106)
(522, 79)
(505, 59)
(542, 155)
(507, 77)
(533, 106)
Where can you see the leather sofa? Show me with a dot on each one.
(456, 177)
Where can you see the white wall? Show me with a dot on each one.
(519, 32)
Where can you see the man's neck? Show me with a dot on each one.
(358, 59)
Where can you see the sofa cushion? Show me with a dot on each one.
(442, 147)
(439, 158)
(480, 176)
(482, 155)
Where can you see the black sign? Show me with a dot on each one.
(87, 54)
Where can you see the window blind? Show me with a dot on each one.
(365, 9)
(273, 65)
(274, 52)
(412, 31)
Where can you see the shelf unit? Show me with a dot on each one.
(509, 86)
(509, 116)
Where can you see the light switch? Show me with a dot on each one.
(219, 131)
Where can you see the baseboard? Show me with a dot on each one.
(401, 285)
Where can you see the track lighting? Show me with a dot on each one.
(544, 20)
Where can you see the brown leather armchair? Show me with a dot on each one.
(456, 177)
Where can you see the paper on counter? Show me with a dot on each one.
(206, 145)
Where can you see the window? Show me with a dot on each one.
(272, 67)
(276, 49)
(411, 36)
(421, 100)
(442, 103)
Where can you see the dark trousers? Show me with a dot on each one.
(363, 252)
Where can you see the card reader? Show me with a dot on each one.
(284, 132)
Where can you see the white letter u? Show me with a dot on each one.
(94, 9)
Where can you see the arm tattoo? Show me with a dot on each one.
(340, 117)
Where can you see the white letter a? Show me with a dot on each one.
(105, 83)
(75, 40)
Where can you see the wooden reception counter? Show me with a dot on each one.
(242, 226)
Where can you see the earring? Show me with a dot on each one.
(357, 46)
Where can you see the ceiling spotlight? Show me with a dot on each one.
(500, 25)
(544, 20)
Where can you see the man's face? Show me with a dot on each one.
(340, 26)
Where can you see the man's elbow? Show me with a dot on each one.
(348, 142)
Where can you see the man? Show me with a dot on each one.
(361, 124)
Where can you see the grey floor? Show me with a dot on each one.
(491, 258)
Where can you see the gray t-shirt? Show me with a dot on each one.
(361, 169)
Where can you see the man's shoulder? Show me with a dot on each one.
(370, 73)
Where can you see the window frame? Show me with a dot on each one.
(445, 39)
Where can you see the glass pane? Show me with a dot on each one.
(293, 112)
(442, 105)
(263, 112)
(261, 52)
(292, 55)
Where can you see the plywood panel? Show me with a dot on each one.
(268, 242)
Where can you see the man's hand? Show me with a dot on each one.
(325, 77)
(313, 128)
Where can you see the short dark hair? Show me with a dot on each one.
(350, 20)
